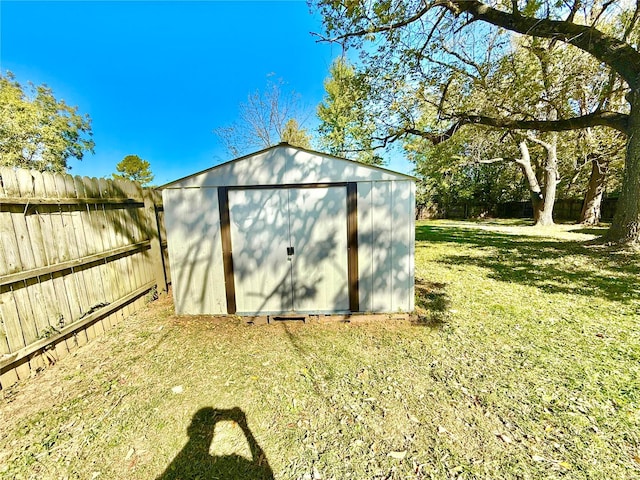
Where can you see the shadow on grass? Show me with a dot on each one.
(555, 266)
(590, 230)
(432, 303)
(195, 462)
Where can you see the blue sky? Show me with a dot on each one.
(157, 77)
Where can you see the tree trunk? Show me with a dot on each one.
(537, 198)
(550, 183)
(625, 227)
(537, 202)
(590, 214)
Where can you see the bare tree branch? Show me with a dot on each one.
(542, 143)
(574, 9)
(632, 22)
(617, 121)
(490, 161)
(381, 28)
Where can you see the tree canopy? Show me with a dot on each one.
(294, 135)
(133, 168)
(411, 49)
(37, 131)
(345, 129)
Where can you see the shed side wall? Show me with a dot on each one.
(195, 250)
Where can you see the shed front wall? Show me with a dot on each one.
(386, 244)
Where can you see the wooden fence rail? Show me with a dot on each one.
(77, 255)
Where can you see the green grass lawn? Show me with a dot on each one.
(524, 363)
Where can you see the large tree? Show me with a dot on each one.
(37, 131)
(541, 79)
(407, 33)
(455, 173)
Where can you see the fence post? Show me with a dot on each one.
(153, 227)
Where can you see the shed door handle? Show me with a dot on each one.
(290, 251)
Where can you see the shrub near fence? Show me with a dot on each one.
(77, 255)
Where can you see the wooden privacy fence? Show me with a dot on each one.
(77, 255)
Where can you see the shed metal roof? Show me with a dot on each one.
(286, 164)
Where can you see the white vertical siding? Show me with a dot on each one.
(365, 246)
(381, 241)
(386, 246)
(318, 222)
(412, 246)
(195, 250)
(402, 236)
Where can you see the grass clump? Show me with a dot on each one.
(523, 363)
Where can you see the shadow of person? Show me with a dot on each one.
(195, 462)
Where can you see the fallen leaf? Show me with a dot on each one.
(565, 465)
(505, 438)
(129, 454)
(397, 455)
(316, 474)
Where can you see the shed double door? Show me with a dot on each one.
(289, 250)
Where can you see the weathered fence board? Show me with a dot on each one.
(77, 255)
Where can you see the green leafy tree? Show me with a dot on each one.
(37, 131)
(345, 129)
(530, 77)
(133, 168)
(412, 39)
(453, 173)
(294, 135)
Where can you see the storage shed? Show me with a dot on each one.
(291, 231)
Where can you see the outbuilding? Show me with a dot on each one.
(291, 231)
